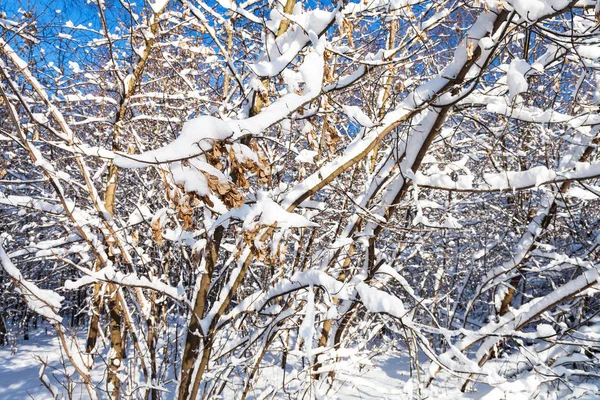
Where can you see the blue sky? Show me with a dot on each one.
(52, 11)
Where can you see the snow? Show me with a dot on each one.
(451, 222)
(19, 372)
(487, 43)
(140, 214)
(517, 82)
(545, 331)
(242, 152)
(307, 329)
(435, 19)
(256, 301)
(288, 307)
(265, 212)
(500, 105)
(190, 178)
(532, 10)
(592, 52)
(108, 274)
(516, 320)
(197, 136)
(30, 202)
(158, 5)
(378, 301)
(44, 302)
(306, 156)
(312, 72)
(74, 67)
(285, 48)
(356, 114)
(291, 78)
(510, 180)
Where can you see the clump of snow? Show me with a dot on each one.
(530, 9)
(197, 136)
(591, 52)
(517, 82)
(545, 330)
(243, 153)
(486, 43)
(73, 66)
(356, 114)
(533, 10)
(267, 212)
(307, 328)
(282, 50)
(158, 6)
(190, 178)
(292, 80)
(452, 222)
(306, 156)
(376, 300)
(312, 72)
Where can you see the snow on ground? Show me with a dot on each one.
(19, 372)
(383, 377)
(388, 378)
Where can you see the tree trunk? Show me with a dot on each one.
(116, 353)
